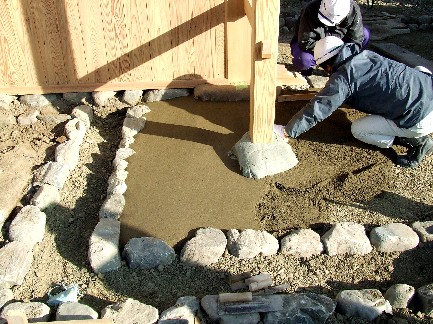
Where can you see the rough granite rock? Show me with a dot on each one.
(205, 248)
(130, 312)
(346, 238)
(147, 253)
(250, 243)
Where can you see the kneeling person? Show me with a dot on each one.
(398, 99)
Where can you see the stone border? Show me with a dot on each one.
(205, 248)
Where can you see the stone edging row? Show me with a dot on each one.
(209, 244)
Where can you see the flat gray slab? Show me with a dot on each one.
(401, 54)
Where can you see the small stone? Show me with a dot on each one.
(130, 312)
(104, 252)
(132, 97)
(112, 207)
(74, 311)
(46, 196)
(366, 303)
(394, 237)
(28, 226)
(101, 97)
(164, 94)
(400, 295)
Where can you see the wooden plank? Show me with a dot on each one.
(400, 54)
(238, 37)
(263, 72)
(296, 96)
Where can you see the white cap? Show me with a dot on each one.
(332, 12)
(422, 69)
(326, 48)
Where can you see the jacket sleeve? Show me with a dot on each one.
(328, 100)
(308, 33)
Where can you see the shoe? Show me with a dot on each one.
(281, 133)
(419, 148)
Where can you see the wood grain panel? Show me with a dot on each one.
(48, 45)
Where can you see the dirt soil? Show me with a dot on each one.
(337, 179)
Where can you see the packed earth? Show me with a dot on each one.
(339, 180)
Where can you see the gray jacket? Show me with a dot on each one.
(370, 83)
(309, 29)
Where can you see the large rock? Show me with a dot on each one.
(71, 311)
(164, 94)
(16, 166)
(258, 160)
(424, 230)
(28, 225)
(130, 312)
(302, 242)
(366, 303)
(186, 310)
(205, 248)
(346, 238)
(15, 261)
(302, 308)
(425, 298)
(104, 252)
(250, 243)
(394, 237)
(35, 311)
(148, 253)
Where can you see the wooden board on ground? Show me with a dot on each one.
(297, 95)
(400, 54)
(288, 78)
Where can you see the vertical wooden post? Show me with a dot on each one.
(264, 50)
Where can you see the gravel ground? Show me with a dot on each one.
(341, 180)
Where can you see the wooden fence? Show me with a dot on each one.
(50, 46)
